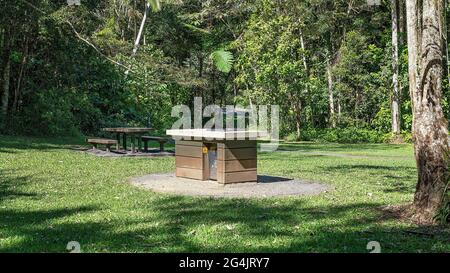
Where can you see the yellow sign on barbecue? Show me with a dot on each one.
(205, 150)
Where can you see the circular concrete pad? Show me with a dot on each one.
(267, 186)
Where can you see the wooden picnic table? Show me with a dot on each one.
(133, 132)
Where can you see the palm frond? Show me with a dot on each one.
(223, 59)
(155, 5)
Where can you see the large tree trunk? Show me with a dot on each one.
(430, 128)
(447, 60)
(395, 100)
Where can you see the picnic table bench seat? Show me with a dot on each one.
(161, 140)
(103, 141)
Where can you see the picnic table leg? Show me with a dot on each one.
(139, 143)
(133, 144)
(124, 142)
(118, 141)
(145, 145)
(161, 147)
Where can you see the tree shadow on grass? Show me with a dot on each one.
(336, 147)
(360, 167)
(289, 158)
(178, 225)
(395, 178)
(11, 187)
(394, 172)
(10, 144)
(399, 185)
(36, 230)
(322, 228)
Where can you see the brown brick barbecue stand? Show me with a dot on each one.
(225, 156)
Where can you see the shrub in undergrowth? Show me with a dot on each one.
(404, 137)
(56, 112)
(309, 134)
(383, 120)
(343, 135)
(291, 137)
(443, 214)
(347, 135)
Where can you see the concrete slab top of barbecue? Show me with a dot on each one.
(216, 134)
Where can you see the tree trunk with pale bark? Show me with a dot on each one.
(331, 95)
(298, 106)
(298, 119)
(395, 100)
(17, 91)
(430, 128)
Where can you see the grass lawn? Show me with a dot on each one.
(50, 195)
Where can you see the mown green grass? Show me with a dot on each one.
(50, 195)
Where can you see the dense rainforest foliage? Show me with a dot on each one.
(74, 69)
